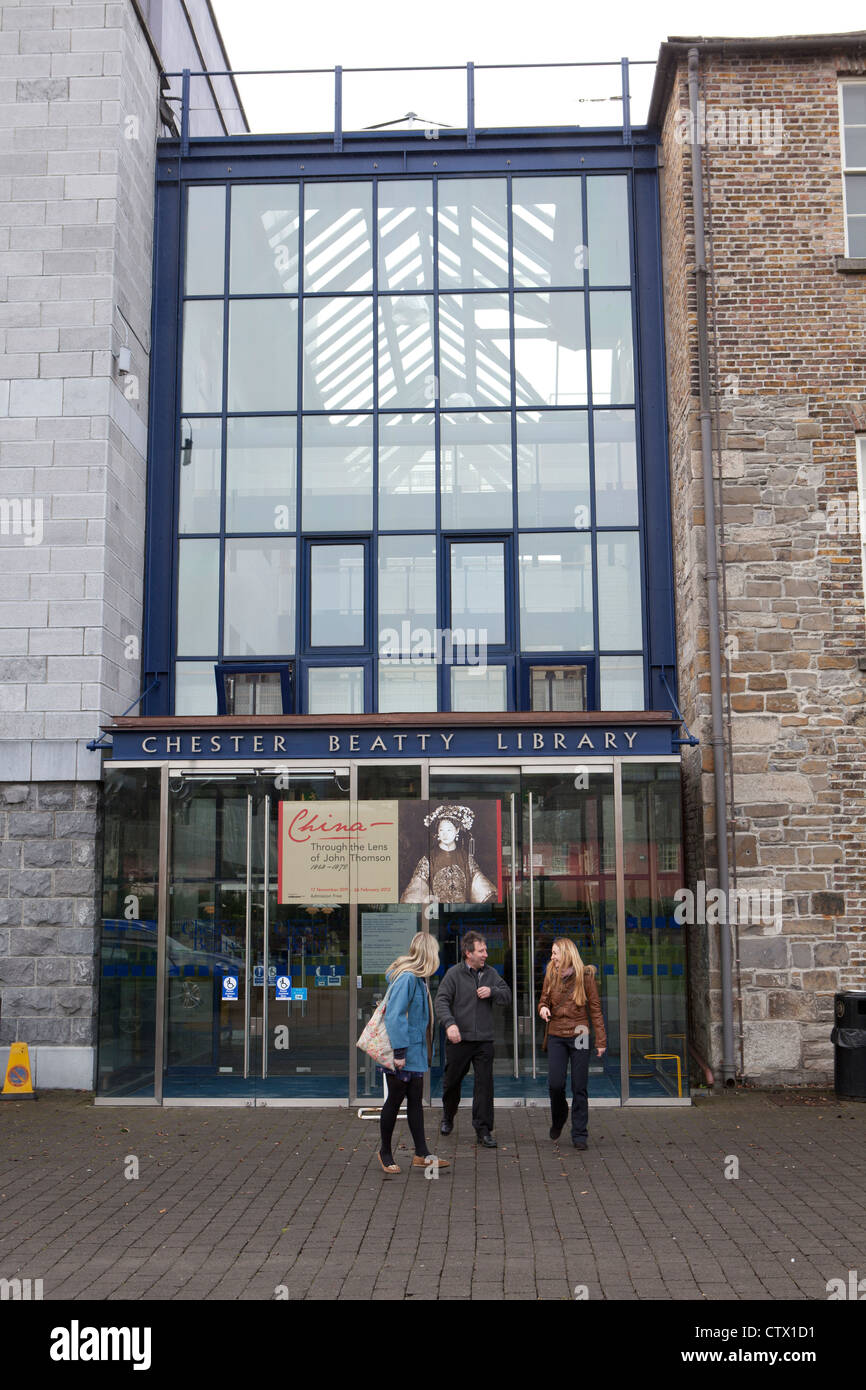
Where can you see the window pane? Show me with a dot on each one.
(854, 103)
(338, 354)
(337, 473)
(555, 593)
(194, 688)
(260, 474)
(405, 220)
(612, 350)
(263, 354)
(619, 609)
(550, 348)
(476, 471)
(855, 193)
(474, 350)
(337, 595)
(855, 147)
(557, 688)
(202, 374)
(259, 598)
(607, 227)
(407, 594)
(198, 598)
(407, 689)
(615, 468)
(857, 236)
(335, 690)
(621, 682)
(200, 459)
(478, 589)
(338, 240)
(205, 241)
(548, 232)
(406, 374)
(264, 239)
(553, 468)
(473, 233)
(407, 472)
(476, 688)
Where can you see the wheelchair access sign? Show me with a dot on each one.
(283, 987)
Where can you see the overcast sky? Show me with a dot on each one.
(394, 33)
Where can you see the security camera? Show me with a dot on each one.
(175, 784)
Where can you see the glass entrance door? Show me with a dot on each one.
(252, 1010)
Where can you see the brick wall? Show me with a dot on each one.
(789, 328)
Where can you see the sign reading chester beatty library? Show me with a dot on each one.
(390, 851)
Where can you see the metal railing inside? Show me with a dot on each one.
(436, 101)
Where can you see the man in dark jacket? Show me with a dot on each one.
(464, 1006)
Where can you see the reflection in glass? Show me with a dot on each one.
(478, 588)
(260, 474)
(337, 473)
(550, 348)
(548, 231)
(259, 597)
(473, 233)
(475, 471)
(474, 350)
(204, 271)
(200, 458)
(478, 688)
(607, 227)
(407, 472)
(335, 690)
(194, 688)
(338, 237)
(337, 595)
(557, 688)
(612, 350)
(202, 371)
(264, 239)
(407, 689)
(555, 593)
(615, 468)
(407, 594)
(263, 354)
(619, 588)
(198, 598)
(406, 374)
(338, 354)
(620, 682)
(553, 468)
(405, 221)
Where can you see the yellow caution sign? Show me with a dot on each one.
(18, 1082)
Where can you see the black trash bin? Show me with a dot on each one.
(849, 1038)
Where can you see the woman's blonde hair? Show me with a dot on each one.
(422, 958)
(569, 957)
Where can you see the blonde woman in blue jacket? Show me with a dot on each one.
(409, 1024)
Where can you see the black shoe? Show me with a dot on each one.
(446, 1126)
(555, 1131)
(485, 1139)
(580, 1143)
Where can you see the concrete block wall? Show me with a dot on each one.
(788, 396)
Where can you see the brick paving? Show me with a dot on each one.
(267, 1203)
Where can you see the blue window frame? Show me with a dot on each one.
(429, 361)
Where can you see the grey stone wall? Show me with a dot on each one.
(49, 914)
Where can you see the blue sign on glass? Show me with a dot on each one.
(230, 987)
(284, 987)
(258, 974)
(299, 996)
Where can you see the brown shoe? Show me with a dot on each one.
(419, 1162)
(388, 1167)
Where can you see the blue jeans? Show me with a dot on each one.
(560, 1053)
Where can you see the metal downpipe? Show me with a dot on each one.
(712, 573)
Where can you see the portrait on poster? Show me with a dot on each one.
(450, 851)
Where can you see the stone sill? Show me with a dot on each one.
(851, 265)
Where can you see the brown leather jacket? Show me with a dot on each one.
(565, 1015)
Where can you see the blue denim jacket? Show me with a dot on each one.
(406, 1016)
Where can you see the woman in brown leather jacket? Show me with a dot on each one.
(569, 999)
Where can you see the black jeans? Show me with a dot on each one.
(561, 1052)
(413, 1091)
(458, 1059)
